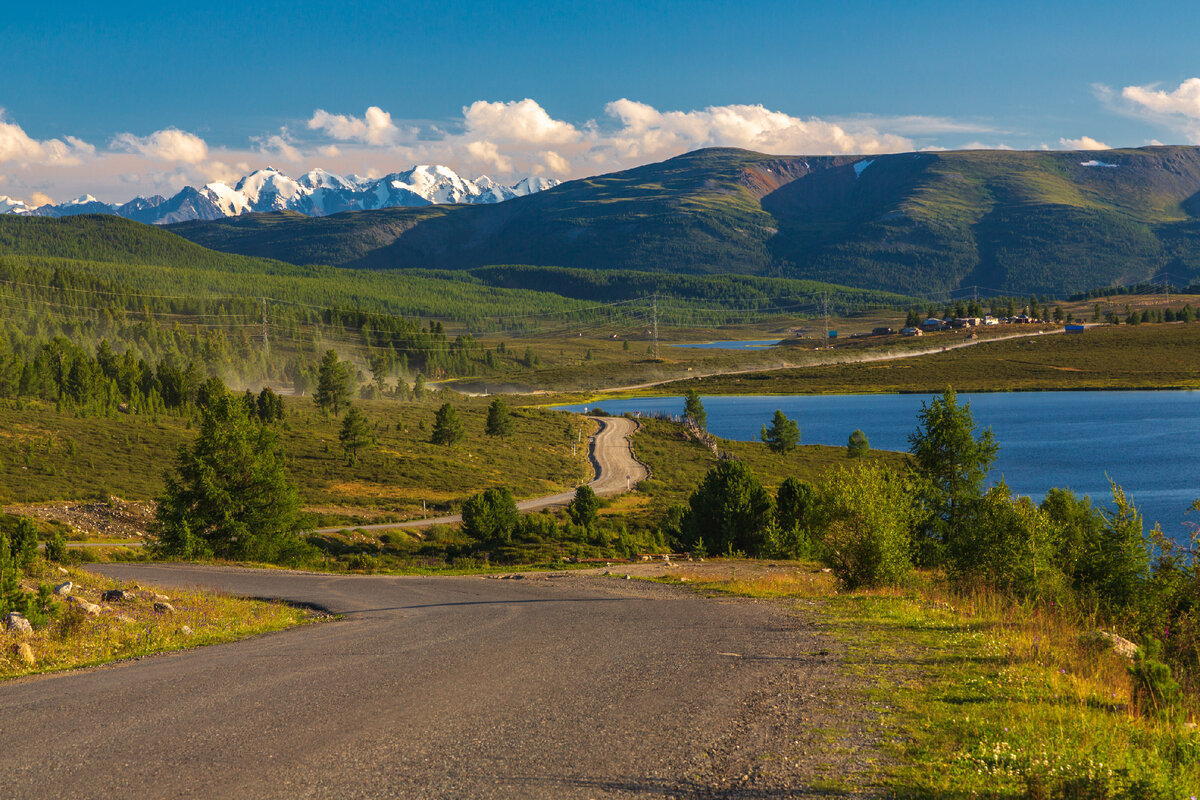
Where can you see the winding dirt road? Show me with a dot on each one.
(615, 467)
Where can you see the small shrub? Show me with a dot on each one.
(1154, 690)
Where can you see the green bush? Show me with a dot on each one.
(1154, 690)
(869, 513)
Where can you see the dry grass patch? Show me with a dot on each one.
(133, 627)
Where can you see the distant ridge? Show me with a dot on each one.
(316, 193)
(1011, 222)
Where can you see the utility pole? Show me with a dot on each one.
(655, 327)
(825, 312)
(266, 345)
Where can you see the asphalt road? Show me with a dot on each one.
(561, 686)
(616, 471)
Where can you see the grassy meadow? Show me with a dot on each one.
(984, 697)
(46, 454)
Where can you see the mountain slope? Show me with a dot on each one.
(919, 223)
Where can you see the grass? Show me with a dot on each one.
(989, 698)
(678, 463)
(132, 628)
(46, 454)
(1121, 357)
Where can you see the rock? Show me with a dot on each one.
(163, 607)
(25, 654)
(1111, 641)
(64, 589)
(114, 595)
(627, 577)
(17, 622)
(185, 630)
(162, 598)
(63, 571)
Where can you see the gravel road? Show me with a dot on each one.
(616, 471)
(548, 686)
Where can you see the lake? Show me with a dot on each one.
(732, 344)
(1142, 440)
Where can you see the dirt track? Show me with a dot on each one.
(611, 454)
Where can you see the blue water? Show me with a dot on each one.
(1145, 441)
(732, 344)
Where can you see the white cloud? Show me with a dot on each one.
(1177, 110)
(1083, 143)
(1184, 101)
(518, 122)
(375, 127)
(16, 146)
(169, 144)
(649, 133)
(280, 146)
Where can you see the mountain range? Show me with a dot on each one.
(1008, 222)
(317, 193)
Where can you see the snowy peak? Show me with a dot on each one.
(316, 193)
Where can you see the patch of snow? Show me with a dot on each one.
(859, 166)
(1095, 163)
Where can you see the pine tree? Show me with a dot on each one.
(333, 383)
(447, 427)
(693, 409)
(858, 445)
(784, 434)
(355, 434)
(229, 495)
(499, 422)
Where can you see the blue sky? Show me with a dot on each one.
(132, 98)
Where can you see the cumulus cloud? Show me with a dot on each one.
(1083, 143)
(375, 127)
(647, 132)
(1177, 109)
(16, 146)
(1185, 100)
(518, 122)
(169, 144)
(281, 145)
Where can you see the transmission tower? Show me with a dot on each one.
(655, 327)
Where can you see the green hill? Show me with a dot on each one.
(916, 223)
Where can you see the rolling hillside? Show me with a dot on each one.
(916, 223)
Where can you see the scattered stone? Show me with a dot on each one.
(25, 654)
(185, 630)
(64, 589)
(627, 577)
(17, 622)
(606, 572)
(163, 607)
(115, 596)
(162, 598)
(63, 571)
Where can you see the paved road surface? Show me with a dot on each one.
(611, 454)
(562, 686)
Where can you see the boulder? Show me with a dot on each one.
(1110, 641)
(115, 596)
(63, 571)
(64, 588)
(185, 630)
(17, 622)
(162, 598)
(164, 608)
(25, 654)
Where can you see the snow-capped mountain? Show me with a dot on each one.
(317, 194)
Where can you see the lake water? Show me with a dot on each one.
(732, 344)
(1145, 441)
